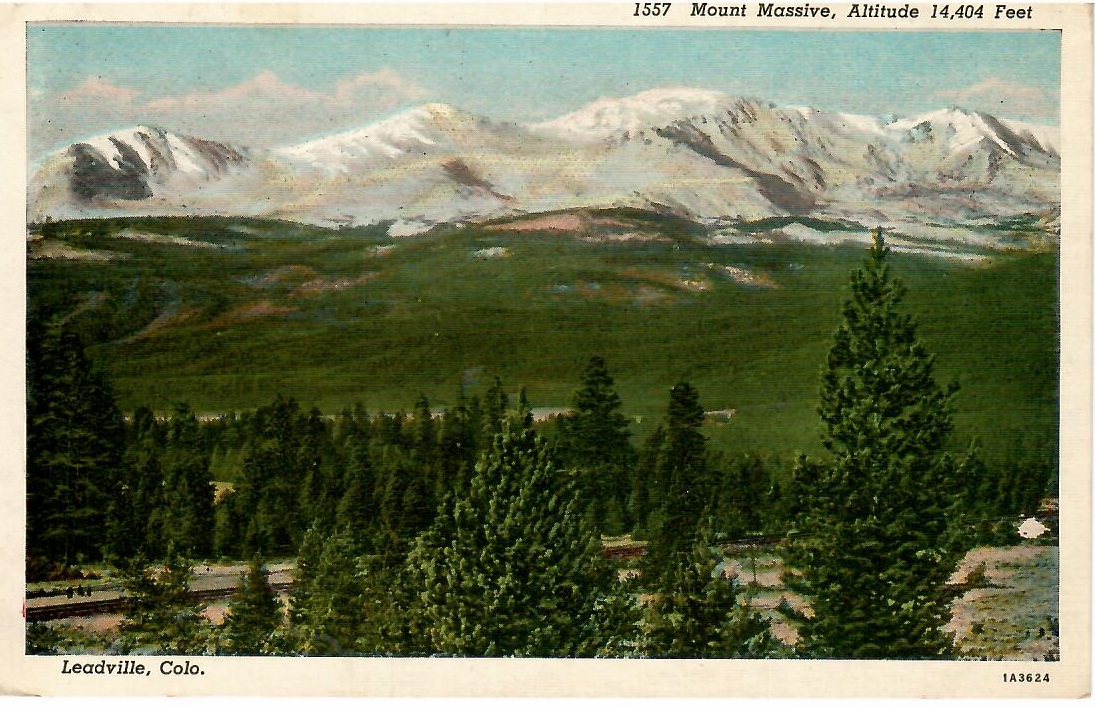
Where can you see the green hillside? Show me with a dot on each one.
(338, 317)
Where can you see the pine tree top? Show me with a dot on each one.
(873, 551)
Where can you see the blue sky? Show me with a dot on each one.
(274, 85)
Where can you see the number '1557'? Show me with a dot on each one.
(652, 9)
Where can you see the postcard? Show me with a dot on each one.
(654, 349)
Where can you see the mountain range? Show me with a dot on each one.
(702, 155)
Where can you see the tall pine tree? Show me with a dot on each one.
(696, 613)
(327, 609)
(875, 546)
(511, 569)
(254, 615)
(75, 442)
(161, 613)
(681, 488)
(594, 439)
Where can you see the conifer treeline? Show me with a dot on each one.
(510, 568)
(464, 532)
(144, 485)
(101, 486)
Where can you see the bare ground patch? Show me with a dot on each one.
(744, 276)
(626, 237)
(55, 250)
(593, 227)
(1015, 617)
(285, 274)
(669, 281)
(170, 317)
(318, 285)
(100, 624)
(249, 312)
(160, 239)
(568, 223)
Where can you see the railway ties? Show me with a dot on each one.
(118, 604)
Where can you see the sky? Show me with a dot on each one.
(269, 86)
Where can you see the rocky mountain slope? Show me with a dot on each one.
(698, 154)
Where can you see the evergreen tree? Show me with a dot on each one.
(875, 546)
(425, 432)
(161, 613)
(457, 448)
(511, 568)
(595, 432)
(477, 424)
(524, 416)
(645, 492)
(388, 627)
(75, 442)
(226, 524)
(353, 424)
(145, 429)
(390, 430)
(744, 496)
(187, 509)
(696, 613)
(254, 615)
(356, 509)
(424, 457)
(682, 485)
(415, 507)
(136, 515)
(315, 469)
(593, 437)
(494, 412)
(307, 569)
(402, 506)
(274, 475)
(328, 601)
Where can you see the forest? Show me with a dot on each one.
(479, 530)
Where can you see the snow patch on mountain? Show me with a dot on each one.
(962, 130)
(110, 147)
(850, 123)
(403, 229)
(634, 114)
(417, 131)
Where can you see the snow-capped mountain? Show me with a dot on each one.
(130, 170)
(700, 154)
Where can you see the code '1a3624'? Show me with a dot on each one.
(1026, 677)
(652, 9)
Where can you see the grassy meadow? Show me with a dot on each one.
(226, 313)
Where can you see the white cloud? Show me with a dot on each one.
(262, 111)
(1006, 99)
(96, 89)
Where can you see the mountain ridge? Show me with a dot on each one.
(704, 155)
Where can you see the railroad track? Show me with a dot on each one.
(118, 605)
